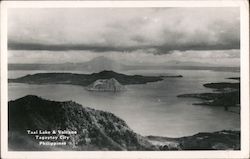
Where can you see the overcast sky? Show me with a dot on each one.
(147, 35)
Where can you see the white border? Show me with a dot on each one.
(243, 153)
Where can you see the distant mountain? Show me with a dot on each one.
(181, 67)
(95, 129)
(111, 85)
(86, 129)
(97, 64)
(84, 79)
(185, 63)
(101, 63)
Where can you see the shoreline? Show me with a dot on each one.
(225, 94)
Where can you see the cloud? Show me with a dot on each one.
(157, 31)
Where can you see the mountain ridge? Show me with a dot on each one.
(85, 79)
(101, 63)
(95, 128)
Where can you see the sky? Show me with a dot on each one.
(127, 35)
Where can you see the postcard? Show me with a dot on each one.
(125, 79)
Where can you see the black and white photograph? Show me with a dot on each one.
(124, 79)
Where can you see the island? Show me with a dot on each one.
(107, 85)
(37, 124)
(225, 94)
(86, 79)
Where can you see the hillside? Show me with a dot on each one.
(220, 140)
(85, 79)
(96, 130)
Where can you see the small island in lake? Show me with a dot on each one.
(86, 79)
(104, 85)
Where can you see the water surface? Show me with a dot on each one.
(149, 109)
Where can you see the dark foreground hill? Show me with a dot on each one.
(89, 129)
(85, 79)
(96, 130)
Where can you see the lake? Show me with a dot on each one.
(149, 109)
